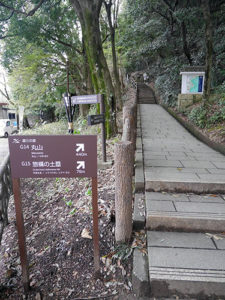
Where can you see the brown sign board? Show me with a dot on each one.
(86, 99)
(53, 156)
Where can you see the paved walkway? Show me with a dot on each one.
(180, 200)
(175, 160)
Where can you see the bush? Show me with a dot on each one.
(198, 115)
(215, 118)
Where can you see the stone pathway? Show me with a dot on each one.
(174, 159)
(180, 201)
(186, 264)
(145, 94)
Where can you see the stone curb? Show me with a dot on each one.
(140, 275)
(139, 212)
(139, 165)
(185, 187)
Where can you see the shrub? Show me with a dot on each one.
(198, 115)
(215, 118)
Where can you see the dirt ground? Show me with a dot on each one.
(58, 224)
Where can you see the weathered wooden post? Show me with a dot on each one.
(129, 112)
(123, 186)
(124, 166)
(126, 130)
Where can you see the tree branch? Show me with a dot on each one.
(32, 12)
(105, 39)
(6, 19)
(161, 14)
(66, 44)
(7, 36)
(57, 39)
(27, 14)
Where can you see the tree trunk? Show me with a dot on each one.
(114, 58)
(123, 187)
(209, 49)
(185, 44)
(129, 112)
(88, 12)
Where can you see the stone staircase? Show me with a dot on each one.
(185, 212)
(145, 94)
(185, 231)
(186, 253)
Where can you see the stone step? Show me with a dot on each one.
(147, 95)
(147, 99)
(146, 102)
(182, 182)
(185, 212)
(186, 265)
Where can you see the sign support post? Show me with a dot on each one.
(21, 233)
(102, 111)
(95, 224)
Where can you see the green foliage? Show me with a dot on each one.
(88, 192)
(73, 211)
(51, 128)
(210, 116)
(28, 84)
(76, 131)
(35, 56)
(161, 37)
(122, 252)
(216, 117)
(198, 115)
(69, 203)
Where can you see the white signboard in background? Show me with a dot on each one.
(192, 82)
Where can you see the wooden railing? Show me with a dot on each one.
(5, 193)
(124, 167)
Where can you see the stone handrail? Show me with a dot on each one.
(5, 193)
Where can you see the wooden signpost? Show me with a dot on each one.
(92, 99)
(96, 119)
(52, 156)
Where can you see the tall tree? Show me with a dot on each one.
(209, 48)
(112, 8)
(88, 12)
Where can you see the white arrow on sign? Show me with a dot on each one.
(80, 164)
(80, 147)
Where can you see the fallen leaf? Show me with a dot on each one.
(33, 282)
(86, 234)
(75, 274)
(215, 236)
(108, 262)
